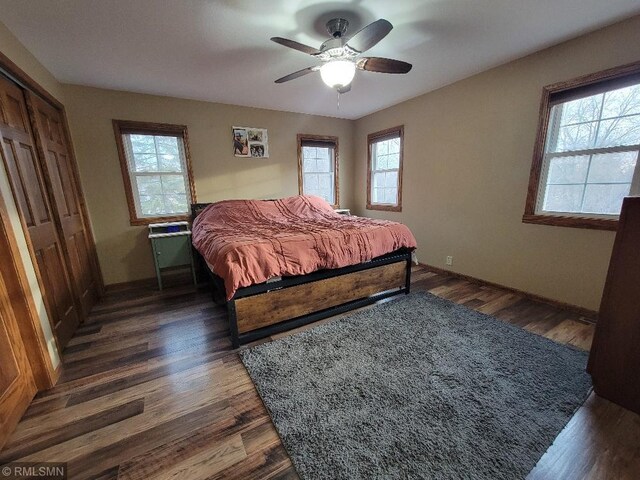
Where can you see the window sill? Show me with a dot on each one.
(148, 220)
(384, 208)
(571, 222)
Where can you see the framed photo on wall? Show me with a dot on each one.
(250, 142)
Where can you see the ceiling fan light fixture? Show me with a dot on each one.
(338, 73)
(341, 56)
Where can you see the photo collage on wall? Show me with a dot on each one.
(250, 142)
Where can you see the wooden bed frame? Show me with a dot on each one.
(264, 309)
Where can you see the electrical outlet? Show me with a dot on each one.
(449, 260)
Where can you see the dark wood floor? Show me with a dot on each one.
(152, 389)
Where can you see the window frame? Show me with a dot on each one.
(124, 127)
(393, 132)
(327, 140)
(558, 93)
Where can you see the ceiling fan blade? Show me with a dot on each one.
(296, 45)
(367, 37)
(383, 65)
(345, 89)
(297, 74)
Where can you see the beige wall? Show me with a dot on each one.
(12, 48)
(124, 251)
(467, 156)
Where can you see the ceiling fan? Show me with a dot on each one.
(341, 55)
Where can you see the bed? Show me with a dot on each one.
(279, 264)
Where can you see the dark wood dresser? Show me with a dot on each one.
(614, 363)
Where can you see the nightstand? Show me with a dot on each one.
(171, 244)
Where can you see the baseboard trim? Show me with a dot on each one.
(140, 283)
(590, 316)
(170, 278)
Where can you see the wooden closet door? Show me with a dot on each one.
(30, 193)
(17, 387)
(66, 198)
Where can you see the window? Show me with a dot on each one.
(384, 182)
(156, 170)
(588, 159)
(318, 167)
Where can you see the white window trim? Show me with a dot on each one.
(331, 174)
(634, 189)
(372, 141)
(330, 142)
(133, 174)
(552, 136)
(388, 170)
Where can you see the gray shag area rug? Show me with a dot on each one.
(418, 387)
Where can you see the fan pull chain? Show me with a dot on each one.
(338, 100)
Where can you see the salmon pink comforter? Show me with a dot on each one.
(246, 242)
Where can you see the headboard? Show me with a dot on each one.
(196, 208)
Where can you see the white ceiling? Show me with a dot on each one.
(219, 50)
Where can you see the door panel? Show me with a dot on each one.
(17, 386)
(61, 296)
(30, 192)
(13, 171)
(14, 113)
(9, 370)
(65, 191)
